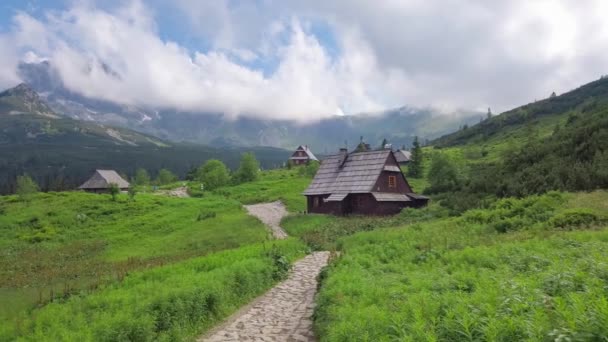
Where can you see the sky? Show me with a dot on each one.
(306, 60)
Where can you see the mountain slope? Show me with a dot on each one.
(537, 118)
(60, 153)
(399, 126)
(26, 118)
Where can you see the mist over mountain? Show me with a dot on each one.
(398, 126)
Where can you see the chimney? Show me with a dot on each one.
(343, 156)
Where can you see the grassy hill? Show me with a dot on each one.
(531, 269)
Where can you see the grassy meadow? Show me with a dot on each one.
(532, 269)
(71, 254)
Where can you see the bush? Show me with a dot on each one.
(576, 218)
(248, 170)
(26, 187)
(165, 177)
(114, 191)
(213, 174)
(204, 215)
(141, 177)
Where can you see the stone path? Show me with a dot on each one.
(282, 314)
(271, 214)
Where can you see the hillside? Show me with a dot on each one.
(398, 125)
(60, 153)
(537, 118)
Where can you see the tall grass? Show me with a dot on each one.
(462, 279)
(59, 243)
(168, 303)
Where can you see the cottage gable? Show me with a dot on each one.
(361, 182)
(302, 155)
(102, 179)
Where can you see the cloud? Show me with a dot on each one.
(306, 60)
(85, 43)
(453, 53)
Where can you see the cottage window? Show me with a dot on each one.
(315, 202)
(392, 181)
(360, 201)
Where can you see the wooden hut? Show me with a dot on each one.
(302, 155)
(101, 180)
(367, 183)
(403, 157)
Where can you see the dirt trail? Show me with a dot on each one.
(282, 314)
(271, 214)
(181, 192)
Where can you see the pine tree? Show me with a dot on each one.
(489, 115)
(415, 164)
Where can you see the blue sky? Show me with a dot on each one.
(305, 60)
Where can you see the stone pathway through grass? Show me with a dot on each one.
(285, 312)
(271, 214)
(282, 314)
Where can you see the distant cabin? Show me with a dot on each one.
(367, 183)
(101, 180)
(403, 157)
(302, 155)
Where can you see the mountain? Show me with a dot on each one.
(60, 153)
(398, 126)
(26, 118)
(537, 118)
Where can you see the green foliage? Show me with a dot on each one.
(289, 164)
(322, 232)
(132, 193)
(186, 298)
(415, 165)
(577, 218)
(459, 279)
(26, 187)
(310, 169)
(141, 177)
(213, 174)
(443, 175)
(165, 176)
(65, 243)
(114, 191)
(272, 185)
(248, 169)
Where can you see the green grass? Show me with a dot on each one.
(168, 303)
(60, 250)
(512, 272)
(62, 241)
(272, 185)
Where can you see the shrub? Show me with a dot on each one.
(26, 187)
(576, 218)
(213, 174)
(204, 215)
(141, 177)
(114, 191)
(165, 177)
(248, 169)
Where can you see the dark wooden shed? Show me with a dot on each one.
(367, 183)
(302, 155)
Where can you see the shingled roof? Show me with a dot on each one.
(102, 179)
(357, 174)
(308, 152)
(403, 156)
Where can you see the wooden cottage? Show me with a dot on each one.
(367, 183)
(302, 155)
(403, 157)
(101, 180)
